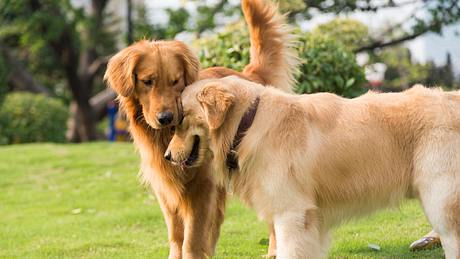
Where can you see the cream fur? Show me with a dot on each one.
(310, 162)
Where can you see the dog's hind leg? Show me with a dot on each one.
(452, 218)
(325, 239)
(443, 211)
(271, 242)
(437, 178)
(297, 234)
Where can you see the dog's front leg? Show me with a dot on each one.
(297, 234)
(198, 220)
(218, 217)
(175, 227)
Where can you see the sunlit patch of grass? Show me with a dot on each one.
(85, 201)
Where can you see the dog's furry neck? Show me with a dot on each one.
(152, 143)
(244, 125)
(223, 137)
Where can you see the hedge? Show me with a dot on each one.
(26, 117)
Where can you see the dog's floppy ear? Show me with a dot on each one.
(120, 71)
(189, 60)
(216, 101)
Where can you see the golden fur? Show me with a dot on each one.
(310, 162)
(149, 77)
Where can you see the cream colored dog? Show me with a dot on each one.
(309, 162)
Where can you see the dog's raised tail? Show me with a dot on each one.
(273, 57)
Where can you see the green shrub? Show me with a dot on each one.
(26, 117)
(349, 32)
(3, 77)
(229, 48)
(327, 66)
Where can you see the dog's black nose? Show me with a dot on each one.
(165, 118)
(168, 155)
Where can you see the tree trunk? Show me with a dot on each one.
(99, 102)
(81, 125)
(129, 21)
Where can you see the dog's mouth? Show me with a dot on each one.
(194, 154)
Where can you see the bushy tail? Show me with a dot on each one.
(273, 57)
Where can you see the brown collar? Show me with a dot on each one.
(245, 124)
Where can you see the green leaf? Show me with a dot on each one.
(350, 82)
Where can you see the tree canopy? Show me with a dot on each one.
(60, 49)
(426, 16)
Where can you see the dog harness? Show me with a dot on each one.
(245, 124)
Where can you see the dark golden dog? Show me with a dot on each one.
(149, 77)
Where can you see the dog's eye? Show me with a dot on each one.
(175, 82)
(148, 82)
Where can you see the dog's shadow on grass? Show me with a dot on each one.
(264, 241)
(388, 252)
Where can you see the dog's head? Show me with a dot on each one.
(155, 73)
(205, 108)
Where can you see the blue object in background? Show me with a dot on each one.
(112, 113)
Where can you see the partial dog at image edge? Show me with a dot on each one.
(148, 77)
(306, 163)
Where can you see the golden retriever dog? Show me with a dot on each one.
(149, 77)
(306, 163)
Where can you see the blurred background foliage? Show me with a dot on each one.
(403, 72)
(3, 77)
(228, 48)
(27, 117)
(327, 65)
(349, 32)
(59, 49)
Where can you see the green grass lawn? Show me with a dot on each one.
(85, 201)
